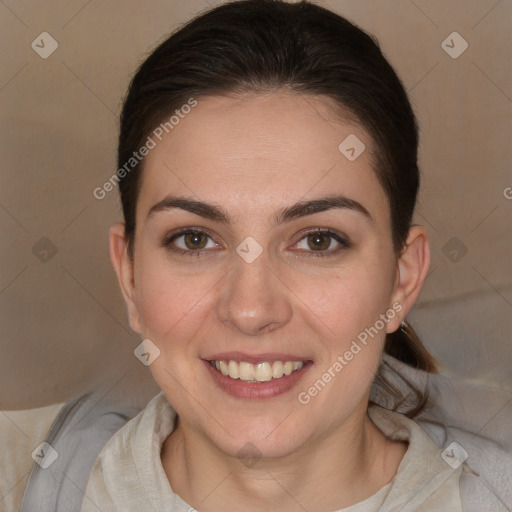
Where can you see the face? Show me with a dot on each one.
(240, 270)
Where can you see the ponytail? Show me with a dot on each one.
(405, 345)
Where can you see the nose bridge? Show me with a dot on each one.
(254, 300)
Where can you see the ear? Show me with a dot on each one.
(412, 269)
(123, 266)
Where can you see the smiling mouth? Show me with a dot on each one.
(261, 372)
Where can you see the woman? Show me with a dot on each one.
(268, 173)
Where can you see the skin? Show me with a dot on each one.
(254, 155)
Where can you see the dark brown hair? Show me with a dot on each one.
(266, 45)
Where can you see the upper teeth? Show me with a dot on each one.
(261, 372)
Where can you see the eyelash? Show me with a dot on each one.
(344, 243)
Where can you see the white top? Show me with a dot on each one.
(128, 474)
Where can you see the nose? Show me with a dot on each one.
(254, 299)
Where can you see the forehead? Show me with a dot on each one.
(260, 152)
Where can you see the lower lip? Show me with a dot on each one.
(256, 390)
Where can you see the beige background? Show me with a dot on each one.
(64, 326)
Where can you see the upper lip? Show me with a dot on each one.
(254, 358)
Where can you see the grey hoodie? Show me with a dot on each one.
(470, 425)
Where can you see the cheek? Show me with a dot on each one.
(347, 318)
(170, 303)
(349, 300)
(347, 309)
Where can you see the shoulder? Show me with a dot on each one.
(21, 432)
(75, 438)
(468, 422)
(127, 473)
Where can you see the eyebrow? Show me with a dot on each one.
(295, 211)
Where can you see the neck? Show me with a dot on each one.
(335, 472)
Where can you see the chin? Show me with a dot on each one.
(256, 441)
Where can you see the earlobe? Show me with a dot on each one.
(123, 267)
(412, 269)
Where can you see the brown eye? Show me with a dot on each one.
(189, 241)
(322, 242)
(319, 241)
(195, 240)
